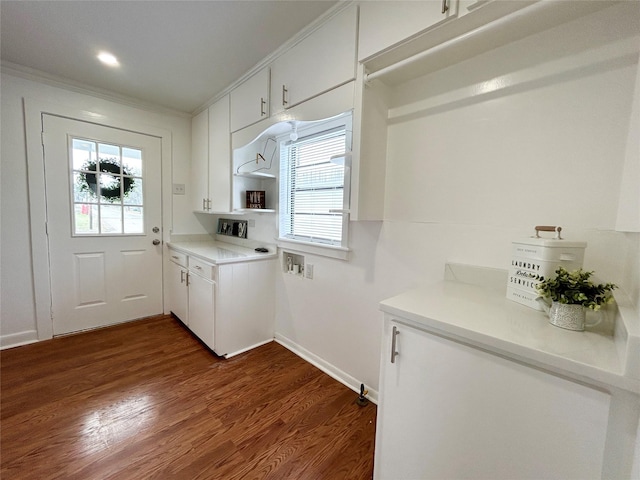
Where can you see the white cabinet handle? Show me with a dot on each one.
(394, 352)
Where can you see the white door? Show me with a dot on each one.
(103, 190)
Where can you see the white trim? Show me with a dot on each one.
(331, 370)
(20, 71)
(34, 108)
(233, 354)
(18, 339)
(332, 251)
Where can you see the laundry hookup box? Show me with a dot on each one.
(534, 259)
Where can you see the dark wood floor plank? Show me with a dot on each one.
(146, 400)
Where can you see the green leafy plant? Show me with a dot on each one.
(88, 180)
(576, 288)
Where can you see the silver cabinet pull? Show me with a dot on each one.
(208, 204)
(187, 278)
(445, 7)
(181, 276)
(203, 204)
(197, 267)
(175, 256)
(394, 352)
(284, 93)
(263, 104)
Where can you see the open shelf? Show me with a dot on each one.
(256, 210)
(259, 175)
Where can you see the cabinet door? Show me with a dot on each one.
(320, 62)
(451, 411)
(177, 292)
(246, 307)
(250, 101)
(386, 23)
(219, 157)
(199, 187)
(201, 308)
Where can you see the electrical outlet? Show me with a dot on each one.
(308, 271)
(252, 223)
(178, 189)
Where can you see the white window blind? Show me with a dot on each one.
(312, 186)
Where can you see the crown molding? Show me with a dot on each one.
(32, 74)
(286, 46)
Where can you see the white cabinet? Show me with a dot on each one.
(199, 185)
(211, 159)
(250, 101)
(245, 308)
(177, 291)
(384, 24)
(448, 410)
(230, 307)
(323, 60)
(202, 296)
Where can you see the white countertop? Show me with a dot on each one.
(484, 318)
(221, 252)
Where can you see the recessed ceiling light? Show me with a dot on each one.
(108, 59)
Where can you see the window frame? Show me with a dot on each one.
(317, 129)
(98, 202)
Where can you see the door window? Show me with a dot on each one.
(106, 188)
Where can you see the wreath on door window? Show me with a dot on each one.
(88, 181)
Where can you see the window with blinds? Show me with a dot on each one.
(312, 188)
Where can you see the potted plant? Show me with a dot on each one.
(570, 294)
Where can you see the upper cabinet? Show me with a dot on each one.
(321, 61)
(250, 101)
(211, 159)
(384, 24)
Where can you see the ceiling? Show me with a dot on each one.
(174, 54)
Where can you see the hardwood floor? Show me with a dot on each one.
(146, 400)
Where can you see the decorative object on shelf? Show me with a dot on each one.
(232, 228)
(255, 199)
(571, 293)
(535, 258)
(122, 183)
(269, 150)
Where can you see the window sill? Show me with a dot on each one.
(331, 251)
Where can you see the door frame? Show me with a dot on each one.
(34, 109)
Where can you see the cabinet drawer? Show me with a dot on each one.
(177, 257)
(202, 268)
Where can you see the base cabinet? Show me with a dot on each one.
(177, 291)
(245, 308)
(230, 307)
(202, 294)
(448, 410)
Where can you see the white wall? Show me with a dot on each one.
(478, 154)
(17, 319)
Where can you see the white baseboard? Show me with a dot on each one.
(18, 339)
(334, 372)
(259, 344)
